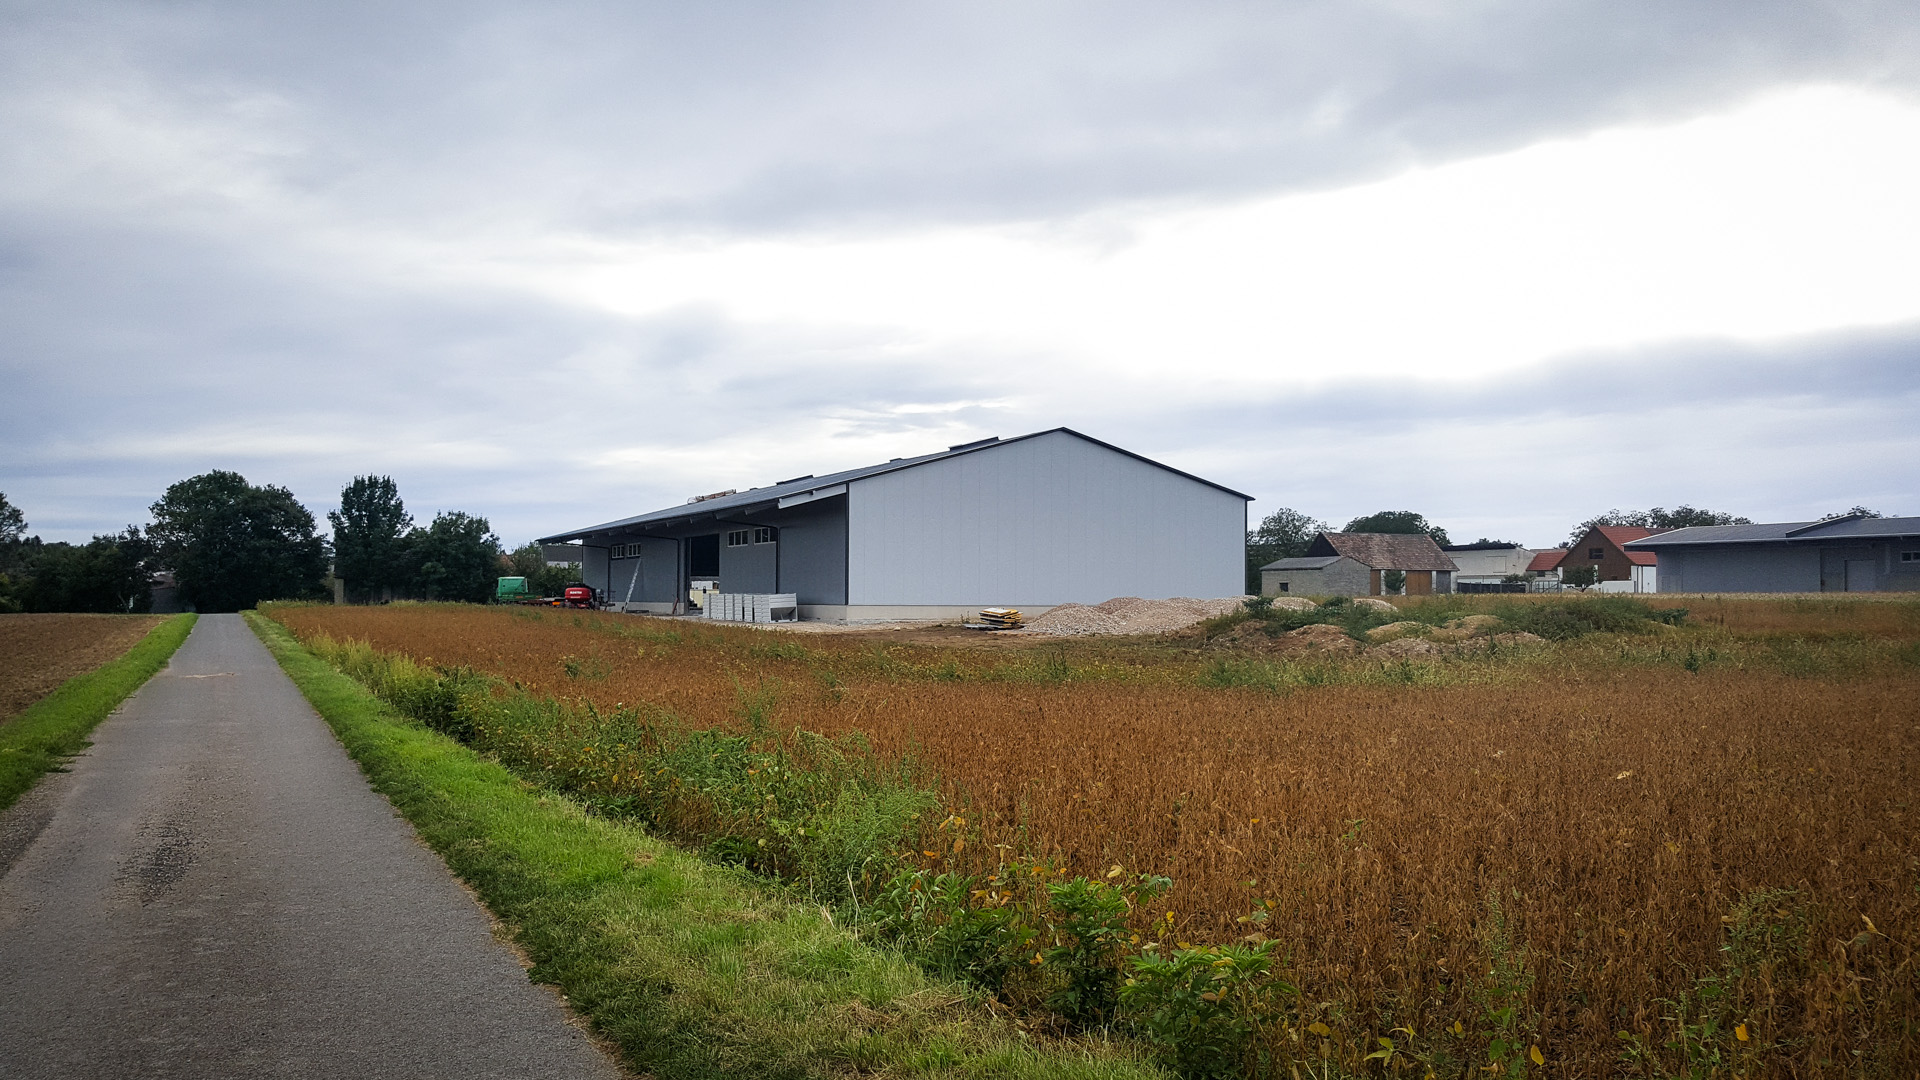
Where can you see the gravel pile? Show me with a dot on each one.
(1130, 615)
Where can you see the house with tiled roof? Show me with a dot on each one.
(1604, 548)
(1356, 564)
(1547, 562)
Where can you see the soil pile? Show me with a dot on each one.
(1320, 637)
(1130, 615)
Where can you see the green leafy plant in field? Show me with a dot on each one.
(1504, 1020)
(1211, 1010)
(964, 927)
(1088, 927)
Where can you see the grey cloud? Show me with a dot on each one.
(629, 118)
(181, 182)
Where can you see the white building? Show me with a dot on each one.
(1027, 522)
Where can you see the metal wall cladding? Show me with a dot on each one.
(1755, 568)
(651, 578)
(1052, 519)
(813, 551)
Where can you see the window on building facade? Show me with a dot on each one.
(1596, 553)
(738, 538)
(763, 535)
(1284, 584)
(1910, 556)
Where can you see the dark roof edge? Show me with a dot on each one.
(627, 527)
(965, 449)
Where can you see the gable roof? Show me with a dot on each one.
(1385, 551)
(1622, 535)
(1546, 560)
(761, 498)
(1847, 527)
(1304, 562)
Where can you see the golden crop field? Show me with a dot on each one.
(1608, 830)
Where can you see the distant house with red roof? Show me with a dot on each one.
(1604, 548)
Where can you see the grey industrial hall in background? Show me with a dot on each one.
(1848, 553)
(1027, 522)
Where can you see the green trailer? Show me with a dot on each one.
(511, 590)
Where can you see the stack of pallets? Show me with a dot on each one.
(1001, 618)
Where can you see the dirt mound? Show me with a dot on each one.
(1370, 604)
(1293, 603)
(1130, 615)
(1394, 630)
(1402, 648)
(1320, 637)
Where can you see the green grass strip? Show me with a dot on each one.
(56, 727)
(691, 970)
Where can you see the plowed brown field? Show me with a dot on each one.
(39, 652)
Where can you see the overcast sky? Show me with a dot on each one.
(1508, 264)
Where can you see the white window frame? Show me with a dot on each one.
(765, 534)
(739, 537)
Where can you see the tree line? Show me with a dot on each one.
(230, 544)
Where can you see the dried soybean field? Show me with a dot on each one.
(39, 652)
(1602, 830)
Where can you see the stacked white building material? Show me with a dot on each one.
(752, 607)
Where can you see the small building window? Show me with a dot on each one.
(624, 551)
(1284, 584)
(764, 535)
(739, 538)
(1910, 556)
(1596, 553)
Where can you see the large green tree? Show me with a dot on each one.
(455, 558)
(1284, 534)
(13, 523)
(370, 536)
(1680, 517)
(108, 574)
(231, 544)
(1405, 522)
(13, 551)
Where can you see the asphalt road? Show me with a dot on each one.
(214, 891)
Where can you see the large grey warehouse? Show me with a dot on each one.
(1849, 553)
(1029, 522)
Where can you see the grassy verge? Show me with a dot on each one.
(690, 969)
(56, 727)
